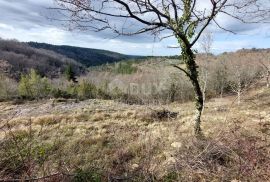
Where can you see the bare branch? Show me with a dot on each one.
(182, 69)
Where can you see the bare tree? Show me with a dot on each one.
(184, 19)
(238, 85)
(243, 73)
(265, 63)
(206, 42)
(206, 45)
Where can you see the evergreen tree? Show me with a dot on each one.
(70, 74)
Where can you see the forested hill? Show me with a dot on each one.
(86, 56)
(17, 58)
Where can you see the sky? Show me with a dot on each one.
(30, 20)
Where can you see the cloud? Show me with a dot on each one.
(227, 46)
(27, 20)
(6, 27)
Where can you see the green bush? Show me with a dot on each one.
(124, 68)
(72, 90)
(82, 90)
(86, 90)
(86, 175)
(33, 86)
(58, 93)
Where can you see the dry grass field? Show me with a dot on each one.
(99, 140)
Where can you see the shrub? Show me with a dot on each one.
(86, 90)
(8, 88)
(23, 156)
(124, 68)
(58, 93)
(72, 90)
(32, 86)
(102, 94)
(86, 175)
(116, 93)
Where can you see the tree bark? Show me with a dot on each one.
(192, 70)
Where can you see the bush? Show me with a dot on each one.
(58, 93)
(124, 68)
(82, 90)
(117, 93)
(86, 90)
(86, 175)
(33, 86)
(102, 94)
(24, 156)
(72, 90)
(8, 88)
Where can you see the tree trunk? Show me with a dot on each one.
(239, 90)
(239, 97)
(267, 79)
(221, 91)
(192, 69)
(204, 89)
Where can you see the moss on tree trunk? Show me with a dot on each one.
(192, 70)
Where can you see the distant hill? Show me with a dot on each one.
(86, 56)
(17, 58)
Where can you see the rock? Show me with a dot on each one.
(176, 145)
(134, 166)
(235, 180)
(171, 160)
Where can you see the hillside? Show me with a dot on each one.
(96, 140)
(17, 58)
(86, 56)
(133, 120)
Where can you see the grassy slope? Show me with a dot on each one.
(125, 140)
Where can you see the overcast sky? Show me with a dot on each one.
(27, 20)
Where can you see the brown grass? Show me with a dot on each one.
(100, 140)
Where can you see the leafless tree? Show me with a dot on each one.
(265, 63)
(206, 42)
(206, 45)
(243, 73)
(238, 85)
(185, 20)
